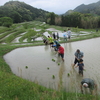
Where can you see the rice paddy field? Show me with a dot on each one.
(30, 34)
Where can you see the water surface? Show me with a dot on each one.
(41, 69)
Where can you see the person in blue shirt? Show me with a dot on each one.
(56, 45)
(81, 67)
(65, 35)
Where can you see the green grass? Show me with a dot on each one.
(16, 88)
(13, 87)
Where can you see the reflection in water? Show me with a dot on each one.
(61, 72)
(46, 47)
(41, 68)
(70, 47)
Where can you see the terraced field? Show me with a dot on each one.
(34, 32)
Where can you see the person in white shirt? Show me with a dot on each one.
(65, 35)
(69, 34)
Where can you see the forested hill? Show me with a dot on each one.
(20, 12)
(93, 8)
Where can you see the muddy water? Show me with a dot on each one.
(42, 70)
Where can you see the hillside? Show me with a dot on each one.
(93, 8)
(20, 12)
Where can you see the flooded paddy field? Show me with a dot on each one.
(35, 64)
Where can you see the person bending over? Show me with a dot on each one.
(88, 83)
(61, 52)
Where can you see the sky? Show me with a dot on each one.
(56, 6)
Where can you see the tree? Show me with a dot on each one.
(16, 17)
(6, 21)
(63, 22)
(52, 19)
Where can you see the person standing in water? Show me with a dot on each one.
(78, 56)
(61, 52)
(81, 67)
(65, 35)
(69, 34)
(54, 36)
(57, 36)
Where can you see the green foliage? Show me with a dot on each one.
(72, 20)
(53, 60)
(26, 67)
(5, 34)
(58, 63)
(25, 25)
(53, 76)
(93, 8)
(6, 21)
(68, 74)
(31, 33)
(12, 36)
(48, 68)
(5, 29)
(80, 20)
(52, 19)
(21, 12)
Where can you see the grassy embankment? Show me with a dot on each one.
(16, 88)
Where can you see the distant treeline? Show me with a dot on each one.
(75, 19)
(17, 12)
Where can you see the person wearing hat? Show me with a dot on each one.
(78, 55)
(88, 83)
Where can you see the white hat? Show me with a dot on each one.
(85, 85)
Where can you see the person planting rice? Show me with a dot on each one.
(78, 55)
(57, 44)
(45, 41)
(61, 52)
(50, 40)
(81, 67)
(88, 83)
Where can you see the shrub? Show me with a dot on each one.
(6, 21)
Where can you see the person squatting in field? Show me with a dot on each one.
(50, 41)
(45, 41)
